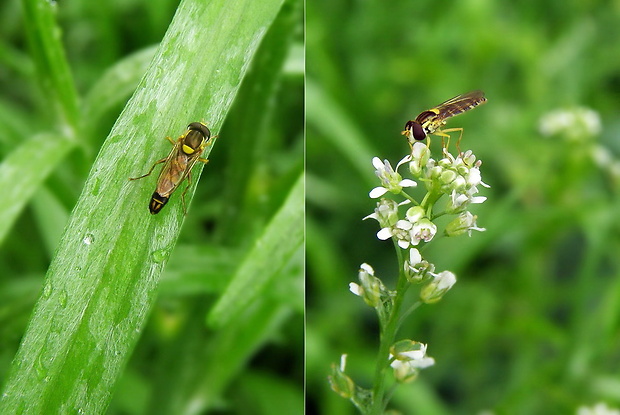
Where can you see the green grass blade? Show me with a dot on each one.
(117, 84)
(103, 279)
(48, 54)
(246, 124)
(270, 253)
(23, 171)
(326, 115)
(51, 216)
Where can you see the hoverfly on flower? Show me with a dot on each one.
(430, 121)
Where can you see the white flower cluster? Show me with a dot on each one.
(459, 178)
(573, 124)
(599, 409)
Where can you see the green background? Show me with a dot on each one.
(531, 327)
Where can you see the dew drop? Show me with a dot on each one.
(47, 290)
(40, 367)
(96, 187)
(62, 298)
(89, 239)
(160, 255)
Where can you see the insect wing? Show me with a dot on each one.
(171, 174)
(176, 170)
(459, 104)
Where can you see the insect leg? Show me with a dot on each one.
(458, 142)
(189, 183)
(150, 171)
(442, 133)
(171, 140)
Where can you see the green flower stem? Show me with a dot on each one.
(410, 198)
(388, 334)
(409, 311)
(429, 201)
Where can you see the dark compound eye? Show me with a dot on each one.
(200, 127)
(416, 130)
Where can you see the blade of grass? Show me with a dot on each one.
(24, 170)
(51, 216)
(247, 123)
(270, 253)
(194, 383)
(326, 115)
(103, 279)
(51, 64)
(116, 84)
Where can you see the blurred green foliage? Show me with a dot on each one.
(180, 365)
(531, 327)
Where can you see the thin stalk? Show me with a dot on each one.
(388, 334)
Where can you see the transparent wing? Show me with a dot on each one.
(459, 104)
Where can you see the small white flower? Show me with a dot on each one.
(445, 280)
(355, 289)
(367, 268)
(435, 290)
(405, 372)
(420, 156)
(459, 201)
(474, 178)
(391, 181)
(415, 267)
(386, 213)
(370, 287)
(469, 159)
(414, 214)
(423, 230)
(408, 350)
(411, 264)
(401, 231)
(407, 364)
(414, 257)
(465, 222)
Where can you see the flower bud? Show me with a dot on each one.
(465, 222)
(408, 358)
(339, 382)
(434, 290)
(371, 287)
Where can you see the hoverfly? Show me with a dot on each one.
(178, 165)
(430, 121)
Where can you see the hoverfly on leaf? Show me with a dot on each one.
(178, 165)
(430, 121)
